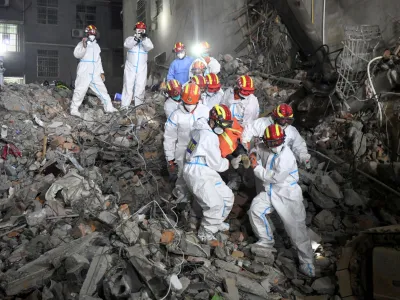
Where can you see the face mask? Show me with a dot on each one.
(205, 55)
(277, 150)
(181, 55)
(242, 97)
(218, 130)
(139, 31)
(176, 98)
(92, 38)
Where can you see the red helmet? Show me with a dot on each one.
(246, 85)
(283, 114)
(205, 46)
(174, 88)
(140, 25)
(91, 30)
(191, 94)
(198, 67)
(213, 84)
(200, 81)
(179, 47)
(274, 135)
(222, 116)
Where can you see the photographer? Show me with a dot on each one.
(135, 73)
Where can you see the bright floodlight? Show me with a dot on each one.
(197, 50)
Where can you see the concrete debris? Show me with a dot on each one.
(324, 285)
(87, 210)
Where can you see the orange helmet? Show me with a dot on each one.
(198, 68)
(174, 88)
(283, 114)
(274, 135)
(213, 84)
(140, 25)
(200, 81)
(91, 30)
(246, 85)
(179, 47)
(191, 94)
(222, 116)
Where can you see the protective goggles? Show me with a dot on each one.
(140, 31)
(284, 121)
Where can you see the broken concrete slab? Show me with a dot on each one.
(324, 220)
(98, 267)
(227, 266)
(324, 285)
(231, 289)
(35, 273)
(352, 198)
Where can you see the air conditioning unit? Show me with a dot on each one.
(80, 33)
(77, 33)
(4, 3)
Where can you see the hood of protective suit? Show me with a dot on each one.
(201, 123)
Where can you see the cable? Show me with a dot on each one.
(373, 88)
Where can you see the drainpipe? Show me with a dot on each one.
(323, 23)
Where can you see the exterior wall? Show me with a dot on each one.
(58, 37)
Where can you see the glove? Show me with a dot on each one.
(144, 35)
(253, 160)
(137, 39)
(246, 161)
(307, 164)
(84, 41)
(236, 161)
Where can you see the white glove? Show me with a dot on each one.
(236, 161)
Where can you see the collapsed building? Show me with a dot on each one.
(86, 206)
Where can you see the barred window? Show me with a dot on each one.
(85, 15)
(47, 12)
(9, 38)
(47, 63)
(141, 11)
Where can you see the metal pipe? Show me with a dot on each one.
(323, 23)
(312, 11)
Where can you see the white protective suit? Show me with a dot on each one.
(203, 162)
(135, 73)
(211, 100)
(281, 192)
(213, 67)
(170, 105)
(177, 135)
(293, 138)
(88, 76)
(245, 111)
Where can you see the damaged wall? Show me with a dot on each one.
(186, 21)
(361, 12)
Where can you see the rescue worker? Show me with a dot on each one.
(242, 102)
(275, 164)
(213, 66)
(283, 116)
(197, 68)
(213, 94)
(135, 73)
(90, 73)
(229, 134)
(200, 81)
(201, 173)
(174, 90)
(180, 67)
(177, 133)
(2, 70)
